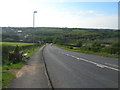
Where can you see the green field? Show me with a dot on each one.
(15, 43)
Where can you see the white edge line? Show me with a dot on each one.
(99, 65)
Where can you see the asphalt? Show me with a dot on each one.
(77, 70)
(65, 69)
(31, 75)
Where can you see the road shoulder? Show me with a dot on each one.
(31, 75)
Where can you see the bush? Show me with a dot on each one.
(95, 49)
(96, 44)
(79, 43)
(111, 50)
(70, 47)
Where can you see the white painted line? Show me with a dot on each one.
(112, 65)
(112, 68)
(77, 58)
(100, 65)
(72, 56)
(97, 64)
(67, 54)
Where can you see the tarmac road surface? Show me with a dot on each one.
(77, 70)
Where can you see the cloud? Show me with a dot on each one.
(104, 21)
(20, 13)
(54, 18)
(90, 11)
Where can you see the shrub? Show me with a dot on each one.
(96, 44)
(79, 43)
(70, 47)
(95, 49)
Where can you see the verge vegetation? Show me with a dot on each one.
(9, 66)
(103, 42)
(110, 52)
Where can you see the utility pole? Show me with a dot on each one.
(33, 25)
(34, 18)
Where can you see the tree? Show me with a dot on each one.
(79, 43)
(96, 46)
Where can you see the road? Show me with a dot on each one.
(66, 69)
(77, 70)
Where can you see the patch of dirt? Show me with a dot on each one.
(30, 69)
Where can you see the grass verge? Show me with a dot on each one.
(7, 75)
(74, 49)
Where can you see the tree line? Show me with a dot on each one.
(96, 40)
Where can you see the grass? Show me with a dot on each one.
(12, 66)
(7, 75)
(31, 51)
(0, 77)
(79, 30)
(16, 43)
(75, 49)
(6, 78)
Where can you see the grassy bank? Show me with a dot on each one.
(83, 50)
(8, 66)
(6, 78)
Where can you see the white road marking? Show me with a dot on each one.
(73, 56)
(112, 65)
(97, 64)
(67, 54)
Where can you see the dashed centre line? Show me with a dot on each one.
(97, 64)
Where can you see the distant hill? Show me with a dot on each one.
(51, 28)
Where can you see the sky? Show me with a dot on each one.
(59, 13)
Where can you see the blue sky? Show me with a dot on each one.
(108, 7)
(98, 7)
(64, 13)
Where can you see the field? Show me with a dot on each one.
(15, 43)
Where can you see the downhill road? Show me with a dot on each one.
(77, 70)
